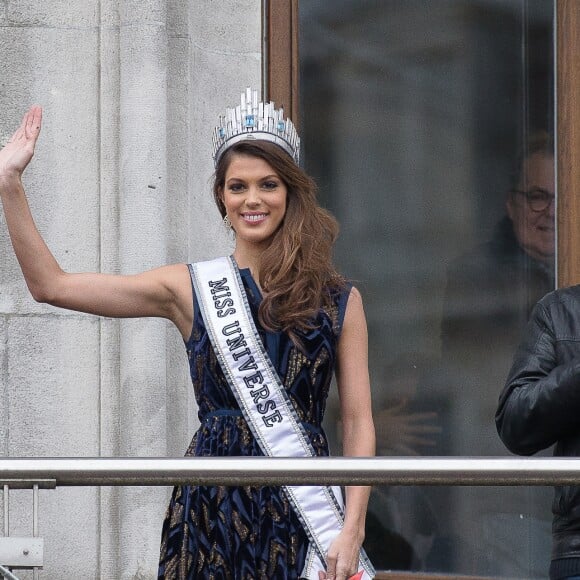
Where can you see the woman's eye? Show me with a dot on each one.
(270, 185)
(236, 187)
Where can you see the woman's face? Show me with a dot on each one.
(255, 199)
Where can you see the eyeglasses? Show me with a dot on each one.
(537, 199)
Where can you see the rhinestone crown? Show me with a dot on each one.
(252, 120)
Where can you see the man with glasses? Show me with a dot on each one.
(495, 285)
(530, 207)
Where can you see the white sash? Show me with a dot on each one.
(265, 403)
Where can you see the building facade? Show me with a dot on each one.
(120, 183)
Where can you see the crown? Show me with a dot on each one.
(252, 120)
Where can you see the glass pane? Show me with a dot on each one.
(428, 127)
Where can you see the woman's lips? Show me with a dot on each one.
(254, 218)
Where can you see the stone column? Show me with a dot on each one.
(49, 382)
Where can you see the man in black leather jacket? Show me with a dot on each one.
(540, 406)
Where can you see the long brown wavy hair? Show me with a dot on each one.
(296, 270)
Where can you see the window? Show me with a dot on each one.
(415, 119)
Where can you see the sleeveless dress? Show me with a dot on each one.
(247, 533)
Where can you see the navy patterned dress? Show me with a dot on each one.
(247, 533)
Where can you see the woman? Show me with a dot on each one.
(307, 318)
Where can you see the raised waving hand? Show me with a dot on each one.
(17, 153)
(164, 292)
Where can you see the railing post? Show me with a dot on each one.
(26, 553)
(35, 499)
(6, 510)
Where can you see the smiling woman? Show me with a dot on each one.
(310, 321)
(264, 330)
(296, 265)
(255, 200)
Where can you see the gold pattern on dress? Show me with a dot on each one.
(249, 491)
(244, 433)
(186, 556)
(212, 361)
(298, 408)
(332, 313)
(217, 560)
(222, 492)
(285, 505)
(225, 437)
(275, 549)
(241, 529)
(190, 452)
(320, 360)
(163, 547)
(177, 514)
(200, 562)
(194, 516)
(171, 568)
(195, 331)
(293, 550)
(296, 361)
(206, 521)
(273, 512)
(198, 374)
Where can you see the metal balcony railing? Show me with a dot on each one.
(49, 473)
(500, 471)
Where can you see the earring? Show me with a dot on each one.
(227, 223)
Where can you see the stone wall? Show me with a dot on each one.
(120, 183)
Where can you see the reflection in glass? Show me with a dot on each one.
(429, 128)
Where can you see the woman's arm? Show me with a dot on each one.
(164, 292)
(358, 433)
